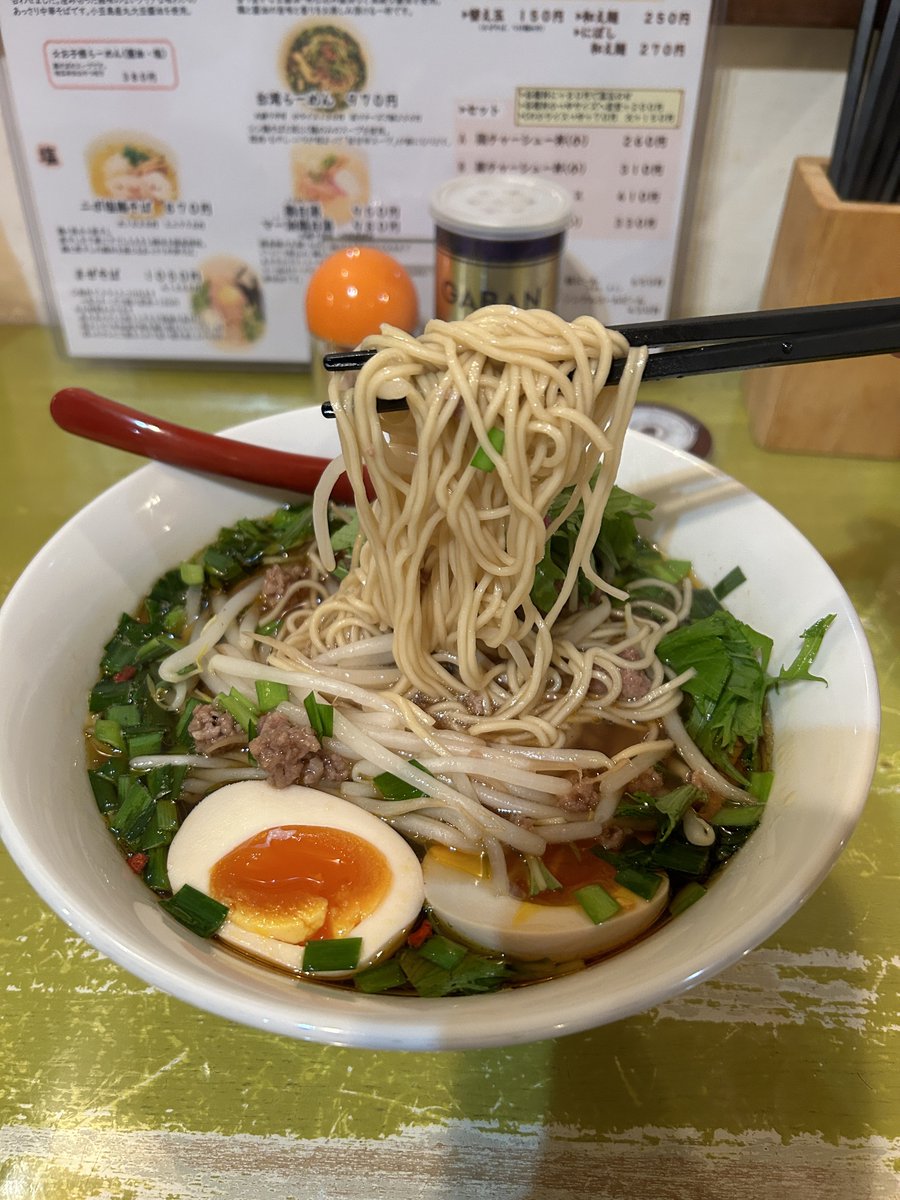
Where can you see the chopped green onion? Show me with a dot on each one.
(728, 583)
(481, 459)
(739, 814)
(688, 895)
(238, 706)
(642, 883)
(110, 733)
(159, 781)
(167, 815)
(134, 813)
(196, 911)
(394, 788)
(442, 951)
(153, 835)
(270, 629)
(540, 877)
(321, 716)
(126, 715)
(332, 954)
(222, 565)
(380, 978)
(107, 692)
(597, 902)
(105, 791)
(760, 785)
(680, 856)
(156, 647)
(174, 619)
(156, 875)
(181, 729)
(149, 742)
(269, 694)
(192, 573)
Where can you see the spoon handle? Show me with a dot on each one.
(101, 420)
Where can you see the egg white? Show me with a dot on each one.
(469, 907)
(232, 814)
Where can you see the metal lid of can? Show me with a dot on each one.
(510, 207)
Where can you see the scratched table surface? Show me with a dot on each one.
(780, 1075)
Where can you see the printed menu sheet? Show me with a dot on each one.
(190, 162)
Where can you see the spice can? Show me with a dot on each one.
(498, 240)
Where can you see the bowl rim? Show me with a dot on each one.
(383, 1022)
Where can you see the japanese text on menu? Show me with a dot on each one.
(190, 163)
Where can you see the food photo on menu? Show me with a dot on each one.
(458, 759)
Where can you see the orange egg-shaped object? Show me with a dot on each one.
(355, 291)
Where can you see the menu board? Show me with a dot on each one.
(190, 162)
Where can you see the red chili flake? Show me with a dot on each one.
(137, 862)
(125, 674)
(420, 935)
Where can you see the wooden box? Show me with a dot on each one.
(828, 251)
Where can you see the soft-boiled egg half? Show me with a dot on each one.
(297, 865)
(553, 926)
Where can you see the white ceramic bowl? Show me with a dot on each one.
(67, 602)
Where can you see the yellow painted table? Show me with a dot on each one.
(779, 1077)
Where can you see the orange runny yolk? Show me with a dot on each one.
(301, 882)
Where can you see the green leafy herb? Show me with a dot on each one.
(618, 552)
(729, 686)
(674, 805)
(812, 642)
(471, 974)
(344, 537)
(726, 712)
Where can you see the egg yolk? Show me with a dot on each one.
(301, 882)
(355, 291)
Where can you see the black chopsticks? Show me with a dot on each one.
(867, 140)
(732, 341)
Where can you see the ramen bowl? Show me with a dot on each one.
(105, 559)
